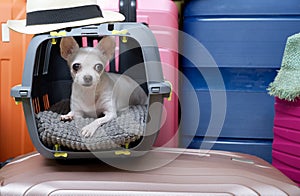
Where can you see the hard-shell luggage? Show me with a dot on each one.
(161, 16)
(245, 40)
(286, 143)
(161, 172)
(14, 137)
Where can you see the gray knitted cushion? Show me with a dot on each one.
(127, 127)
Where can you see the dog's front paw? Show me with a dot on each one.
(67, 117)
(88, 130)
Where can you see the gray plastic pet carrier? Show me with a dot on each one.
(46, 89)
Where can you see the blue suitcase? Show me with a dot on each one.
(246, 42)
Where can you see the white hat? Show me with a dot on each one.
(49, 15)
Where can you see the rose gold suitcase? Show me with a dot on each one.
(160, 172)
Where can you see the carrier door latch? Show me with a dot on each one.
(20, 92)
(163, 88)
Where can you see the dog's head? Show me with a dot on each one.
(87, 64)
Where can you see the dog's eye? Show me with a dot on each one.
(98, 67)
(76, 66)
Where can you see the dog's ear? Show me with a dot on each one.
(107, 46)
(68, 46)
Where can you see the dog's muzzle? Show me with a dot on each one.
(88, 80)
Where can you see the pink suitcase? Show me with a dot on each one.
(162, 18)
(286, 143)
(163, 171)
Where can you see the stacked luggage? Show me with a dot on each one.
(246, 41)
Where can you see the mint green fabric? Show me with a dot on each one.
(286, 84)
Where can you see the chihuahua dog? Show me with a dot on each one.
(96, 93)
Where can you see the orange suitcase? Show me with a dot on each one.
(14, 137)
(162, 171)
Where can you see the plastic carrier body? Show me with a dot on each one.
(46, 82)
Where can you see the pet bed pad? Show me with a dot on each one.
(127, 127)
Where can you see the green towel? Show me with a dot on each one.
(286, 84)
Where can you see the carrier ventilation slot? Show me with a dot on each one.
(47, 57)
(37, 104)
(89, 30)
(46, 102)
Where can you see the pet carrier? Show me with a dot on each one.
(46, 88)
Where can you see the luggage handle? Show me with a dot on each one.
(128, 9)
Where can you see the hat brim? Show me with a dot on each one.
(286, 84)
(20, 25)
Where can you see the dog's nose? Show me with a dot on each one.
(88, 79)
